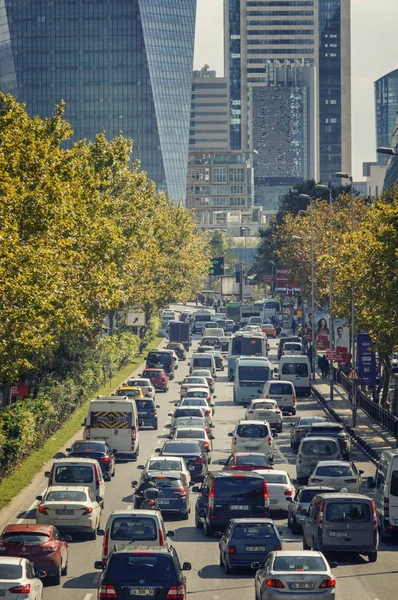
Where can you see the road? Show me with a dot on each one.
(355, 576)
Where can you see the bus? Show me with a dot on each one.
(245, 343)
(251, 374)
(249, 310)
(271, 308)
(233, 311)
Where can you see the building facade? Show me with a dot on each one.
(121, 67)
(386, 106)
(208, 128)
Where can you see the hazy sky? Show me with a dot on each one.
(374, 53)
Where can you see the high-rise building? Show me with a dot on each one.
(317, 31)
(121, 66)
(386, 104)
(209, 124)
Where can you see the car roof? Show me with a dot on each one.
(254, 400)
(319, 437)
(21, 528)
(282, 381)
(169, 458)
(12, 560)
(147, 549)
(90, 442)
(236, 474)
(252, 422)
(276, 471)
(345, 496)
(75, 460)
(314, 487)
(191, 428)
(248, 454)
(67, 488)
(153, 369)
(250, 520)
(134, 512)
(321, 419)
(185, 441)
(199, 389)
(329, 424)
(297, 553)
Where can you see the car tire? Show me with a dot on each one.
(185, 516)
(198, 523)
(305, 545)
(296, 528)
(208, 531)
(65, 569)
(155, 427)
(294, 412)
(93, 535)
(372, 556)
(289, 522)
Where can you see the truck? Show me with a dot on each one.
(249, 310)
(179, 331)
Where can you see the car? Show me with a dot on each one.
(282, 342)
(301, 574)
(70, 509)
(147, 412)
(336, 431)
(246, 461)
(167, 312)
(197, 398)
(33, 542)
(188, 411)
(174, 494)
(185, 314)
(280, 488)
(265, 409)
(178, 349)
(210, 325)
(199, 393)
(158, 378)
(143, 570)
(192, 452)
(218, 357)
(161, 359)
(298, 507)
(129, 391)
(167, 463)
(187, 385)
(209, 377)
(145, 384)
(229, 326)
(292, 348)
(311, 451)
(337, 474)
(253, 436)
(269, 330)
(100, 450)
(191, 422)
(300, 428)
(195, 433)
(221, 323)
(284, 393)
(246, 541)
(202, 349)
(18, 579)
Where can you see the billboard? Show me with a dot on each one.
(229, 286)
(366, 360)
(322, 331)
(341, 341)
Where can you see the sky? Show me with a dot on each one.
(374, 53)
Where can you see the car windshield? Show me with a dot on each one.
(253, 531)
(280, 389)
(88, 447)
(74, 474)
(347, 512)
(271, 477)
(254, 373)
(197, 394)
(200, 380)
(299, 563)
(321, 447)
(334, 471)
(194, 401)
(252, 431)
(10, 572)
(182, 448)
(133, 528)
(144, 404)
(153, 373)
(152, 568)
(129, 393)
(195, 434)
(316, 430)
(308, 495)
(25, 538)
(66, 496)
(261, 461)
(139, 382)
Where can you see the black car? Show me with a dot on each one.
(282, 342)
(335, 431)
(178, 349)
(226, 495)
(161, 360)
(174, 495)
(147, 413)
(300, 428)
(196, 457)
(147, 571)
(100, 451)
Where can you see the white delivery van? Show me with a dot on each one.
(114, 419)
(203, 360)
(386, 494)
(296, 369)
(284, 394)
(251, 372)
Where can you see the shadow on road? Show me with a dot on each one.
(86, 581)
(217, 572)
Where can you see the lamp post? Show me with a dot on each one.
(297, 237)
(353, 335)
(324, 188)
(274, 276)
(388, 151)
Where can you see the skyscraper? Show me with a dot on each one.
(209, 128)
(386, 104)
(121, 66)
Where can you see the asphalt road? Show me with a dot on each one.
(355, 576)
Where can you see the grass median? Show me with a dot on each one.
(23, 475)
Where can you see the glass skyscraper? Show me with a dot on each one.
(121, 66)
(386, 103)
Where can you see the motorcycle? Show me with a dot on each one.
(148, 498)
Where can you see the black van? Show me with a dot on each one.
(161, 360)
(227, 495)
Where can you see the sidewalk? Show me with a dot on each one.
(369, 435)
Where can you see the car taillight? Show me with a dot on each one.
(266, 397)
(208, 412)
(161, 538)
(106, 544)
(209, 398)
(278, 547)
(43, 510)
(211, 496)
(374, 514)
(352, 480)
(320, 515)
(133, 433)
(176, 592)
(266, 494)
(275, 583)
(150, 389)
(386, 507)
(181, 493)
(105, 459)
(21, 589)
(328, 583)
(88, 511)
(107, 591)
(277, 411)
(288, 492)
(270, 441)
(250, 411)
(232, 550)
(163, 380)
(199, 460)
(294, 401)
(49, 548)
(210, 380)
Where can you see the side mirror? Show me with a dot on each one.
(361, 471)
(134, 483)
(170, 533)
(139, 374)
(68, 449)
(39, 498)
(179, 382)
(255, 565)
(99, 499)
(211, 437)
(212, 426)
(47, 474)
(219, 534)
(99, 565)
(230, 434)
(276, 370)
(169, 414)
(100, 532)
(196, 488)
(141, 467)
(158, 449)
(212, 405)
(214, 397)
(207, 450)
(186, 566)
(189, 364)
(157, 405)
(333, 564)
(176, 404)
(67, 538)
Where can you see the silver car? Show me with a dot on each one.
(145, 384)
(298, 508)
(305, 575)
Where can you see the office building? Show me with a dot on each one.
(121, 66)
(317, 31)
(386, 106)
(375, 174)
(209, 128)
(391, 177)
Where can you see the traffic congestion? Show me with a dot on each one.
(211, 473)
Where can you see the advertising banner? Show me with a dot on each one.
(322, 332)
(366, 360)
(282, 278)
(308, 322)
(341, 341)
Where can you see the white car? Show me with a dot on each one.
(199, 397)
(167, 312)
(253, 436)
(72, 508)
(280, 488)
(292, 348)
(267, 410)
(145, 384)
(192, 382)
(284, 394)
(207, 375)
(18, 579)
(167, 463)
(337, 474)
(194, 433)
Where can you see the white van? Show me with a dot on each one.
(283, 392)
(253, 436)
(251, 372)
(212, 332)
(386, 494)
(203, 360)
(114, 419)
(72, 471)
(296, 369)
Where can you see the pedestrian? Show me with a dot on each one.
(294, 326)
(323, 365)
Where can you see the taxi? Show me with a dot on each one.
(130, 391)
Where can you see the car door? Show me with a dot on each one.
(310, 523)
(34, 581)
(96, 506)
(61, 545)
(203, 498)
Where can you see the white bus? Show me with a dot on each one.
(271, 308)
(251, 373)
(245, 343)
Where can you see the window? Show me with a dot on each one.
(237, 189)
(219, 175)
(237, 201)
(347, 512)
(394, 483)
(236, 175)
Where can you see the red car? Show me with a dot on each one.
(246, 461)
(41, 544)
(158, 378)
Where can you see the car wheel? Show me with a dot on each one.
(208, 531)
(198, 523)
(296, 528)
(185, 516)
(289, 522)
(114, 471)
(372, 556)
(93, 535)
(155, 427)
(228, 570)
(305, 545)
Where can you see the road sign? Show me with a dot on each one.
(353, 375)
(277, 298)
(267, 279)
(330, 354)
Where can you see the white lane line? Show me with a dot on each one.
(31, 507)
(88, 596)
(129, 507)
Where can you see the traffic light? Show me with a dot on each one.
(217, 266)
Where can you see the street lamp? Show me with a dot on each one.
(353, 346)
(388, 151)
(297, 237)
(274, 276)
(324, 188)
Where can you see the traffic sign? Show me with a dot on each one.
(353, 375)
(267, 279)
(277, 298)
(330, 354)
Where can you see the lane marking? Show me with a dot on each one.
(129, 507)
(31, 507)
(88, 596)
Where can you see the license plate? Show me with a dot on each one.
(252, 446)
(139, 592)
(161, 501)
(339, 534)
(273, 501)
(302, 586)
(255, 548)
(60, 511)
(239, 507)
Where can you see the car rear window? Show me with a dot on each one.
(274, 477)
(202, 361)
(182, 448)
(243, 487)
(152, 373)
(134, 528)
(88, 447)
(25, 538)
(10, 572)
(161, 357)
(188, 433)
(394, 483)
(280, 389)
(194, 401)
(334, 471)
(73, 474)
(347, 512)
(193, 380)
(308, 421)
(190, 421)
(252, 460)
(319, 448)
(164, 465)
(139, 382)
(153, 568)
(308, 495)
(129, 393)
(168, 482)
(295, 368)
(144, 404)
(260, 405)
(252, 431)
(299, 563)
(66, 496)
(188, 412)
(253, 531)
(197, 394)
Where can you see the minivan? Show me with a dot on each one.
(342, 522)
(296, 369)
(386, 493)
(282, 342)
(78, 471)
(284, 393)
(226, 495)
(311, 451)
(253, 436)
(203, 361)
